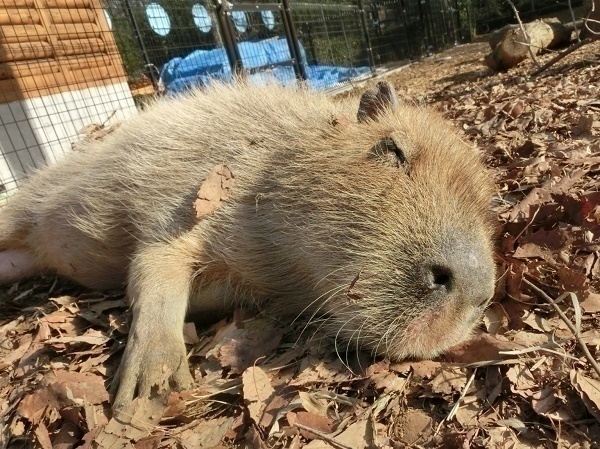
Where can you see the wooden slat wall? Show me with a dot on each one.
(51, 46)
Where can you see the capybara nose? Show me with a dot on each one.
(464, 271)
(466, 280)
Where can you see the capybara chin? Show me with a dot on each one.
(372, 216)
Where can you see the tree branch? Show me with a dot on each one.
(574, 329)
(561, 55)
(531, 53)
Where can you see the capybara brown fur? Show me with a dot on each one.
(375, 220)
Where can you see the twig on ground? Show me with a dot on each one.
(528, 224)
(462, 396)
(323, 436)
(574, 21)
(561, 55)
(524, 33)
(492, 363)
(542, 347)
(560, 354)
(574, 329)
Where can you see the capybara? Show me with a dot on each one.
(373, 217)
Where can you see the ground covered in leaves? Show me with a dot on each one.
(525, 381)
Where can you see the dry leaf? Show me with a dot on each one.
(467, 414)
(546, 403)
(522, 380)
(68, 436)
(482, 347)
(215, 189)
(416, 424)
(205, 434)
(135, 421)
(92, 337)
(591, 337)
(449, 379)
(358, 435)
(591, 304)
(589, 389)
(248, 348)
(16, 353)
(257, 391)
(424, 369)
(388, 382)
(312, 404)
(312, 420)
(495, 319)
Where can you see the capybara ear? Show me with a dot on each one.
(375, 100)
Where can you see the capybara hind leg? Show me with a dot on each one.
(85, 260)
(16, 265)
(159, 287)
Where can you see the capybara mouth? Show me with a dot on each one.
(433, 332)
(421, 334)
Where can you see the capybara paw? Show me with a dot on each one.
(158, 367)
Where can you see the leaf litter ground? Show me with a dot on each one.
(524, 381)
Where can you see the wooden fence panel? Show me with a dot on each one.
(51, 46)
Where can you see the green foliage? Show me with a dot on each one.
(125, 39)
(331, 33)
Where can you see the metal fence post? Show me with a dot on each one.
(293, 40)
(233, 52)
(363, 19)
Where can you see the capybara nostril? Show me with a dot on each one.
(440, 278)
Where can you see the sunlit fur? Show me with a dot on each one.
(315, 224)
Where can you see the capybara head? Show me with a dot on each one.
(384, 232)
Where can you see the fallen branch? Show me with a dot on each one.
(323, 436)
(561, 55)
(516, 43)
(574, 329)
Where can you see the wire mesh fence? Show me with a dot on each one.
(71, 68)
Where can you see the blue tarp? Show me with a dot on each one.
(202, 66)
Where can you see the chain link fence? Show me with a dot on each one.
(175, 44)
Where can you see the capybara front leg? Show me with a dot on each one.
(17, 264)
(155, 356)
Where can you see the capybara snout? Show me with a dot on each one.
(372, 216)
(463, 269)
